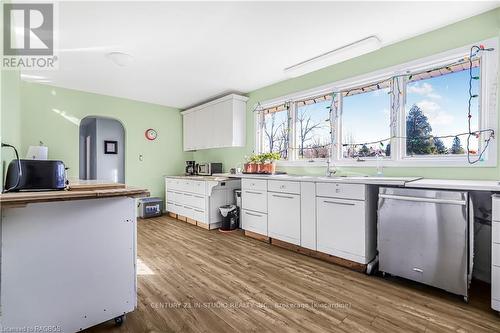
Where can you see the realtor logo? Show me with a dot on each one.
(28, 29)
(28, 36)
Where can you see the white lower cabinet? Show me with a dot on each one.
(308, 215)
(199, 199)
(254, 222)
(284, 216)
(341, 228)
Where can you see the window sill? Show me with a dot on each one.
(460, 162)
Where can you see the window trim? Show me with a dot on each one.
(488, 112)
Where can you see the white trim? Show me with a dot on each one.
(216, 101)
(488, 107)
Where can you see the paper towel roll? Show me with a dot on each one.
(37, 153)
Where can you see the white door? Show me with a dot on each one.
(341, 228)
(284, 217)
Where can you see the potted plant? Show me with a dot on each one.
(267, 163)
(251, 164)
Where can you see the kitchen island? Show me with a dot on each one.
(68, 258)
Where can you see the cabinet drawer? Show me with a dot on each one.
(171, 207)
(495, 232)
(188, 212)
(283, 186)
(173, 196)
(254, 184)
(192, 200)
(495, 283)
(199, 215)
(255, 222)
(179, 209)
(339, 190)
(199, 187)
(254, 200)
(186, 185)
(172, 184)
(495, 254)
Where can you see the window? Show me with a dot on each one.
(366, 122)
(313, 129)
(275, 131)
(410, 114)
(437, 111)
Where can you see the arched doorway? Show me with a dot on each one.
(102, 149)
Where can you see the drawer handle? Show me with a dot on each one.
(251, 214)
(282, 196)
(252, 192)
(199, 211)
(339, 203)
(282, 186)
(198, 196)
(418, 270)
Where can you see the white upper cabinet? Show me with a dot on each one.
(216, 124)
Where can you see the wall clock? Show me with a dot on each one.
(151, 134)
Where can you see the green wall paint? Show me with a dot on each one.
(52, 115)
(10, 116)
(477, 28)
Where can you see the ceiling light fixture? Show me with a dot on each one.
(120, 58)
(349, 51)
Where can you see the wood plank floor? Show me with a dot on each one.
(208, 281)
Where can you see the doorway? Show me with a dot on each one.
(102, 149)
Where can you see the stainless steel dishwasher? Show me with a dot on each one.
(423, 235)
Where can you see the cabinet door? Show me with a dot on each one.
(341, 228)
(284, 217)
(308, 215)
(189, 130)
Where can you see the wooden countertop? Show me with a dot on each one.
(24, 198)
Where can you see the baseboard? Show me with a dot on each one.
(320, 255)
(257, 236)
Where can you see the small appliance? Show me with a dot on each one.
(190, 168)
(208, 169)
(35, 175)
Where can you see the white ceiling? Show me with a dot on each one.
(186, 53)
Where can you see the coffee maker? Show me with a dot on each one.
(190, 168)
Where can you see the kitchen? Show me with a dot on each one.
(276, 179)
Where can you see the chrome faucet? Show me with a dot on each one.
(329, 172)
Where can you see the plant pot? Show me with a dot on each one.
(250, 167)
(261, 168)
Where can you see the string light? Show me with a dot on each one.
(395, 103)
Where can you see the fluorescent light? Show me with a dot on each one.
(349, 51)
(120, 58)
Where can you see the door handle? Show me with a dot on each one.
(419, 270)
(252, 192)
(339, 203)
(256, 215)
(282, 196)
(422, 199)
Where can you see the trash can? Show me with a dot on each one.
(229, 217)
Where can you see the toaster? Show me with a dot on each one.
(36, 175)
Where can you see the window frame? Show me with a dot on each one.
(488, 113)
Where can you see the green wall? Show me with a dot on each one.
(52, 115)
(477, 28)
(10, 116)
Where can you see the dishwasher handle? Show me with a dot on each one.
(422, 199)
